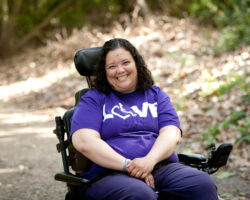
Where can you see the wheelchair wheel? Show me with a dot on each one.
(74, 196)
(75, 193)
(70, 196)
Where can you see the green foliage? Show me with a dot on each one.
(79, 13)
(32, 13)
(172, 7)
(228, 40)
(244, 130)
(213, 86)
(232, 17)
(179, 106)
(231, 82)
(246, 88)
(235, 116)
(226, 195)
(93, 12)
(224, 175)
(237, 119)
(209, 135)
(225, 124)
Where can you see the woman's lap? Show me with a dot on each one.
(179, 180)
(120, 186)
(185, 182)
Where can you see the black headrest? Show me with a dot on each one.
(85, 60)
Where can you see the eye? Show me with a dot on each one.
(110, 67)
(126, 62)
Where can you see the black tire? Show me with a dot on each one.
(70, 196)
(75, 193)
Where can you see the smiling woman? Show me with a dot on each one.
(125, 125)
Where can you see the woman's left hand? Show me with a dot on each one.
(140, 167)
(149, 179)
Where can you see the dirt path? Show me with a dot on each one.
(29, 160)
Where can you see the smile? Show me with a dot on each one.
(121, 78)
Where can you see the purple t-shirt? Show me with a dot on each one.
(129, 123)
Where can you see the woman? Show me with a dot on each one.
(126, 126)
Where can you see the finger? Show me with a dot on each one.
(139, 175)
(143, 176)
(131, 166)
(134, 172)
(150, 181)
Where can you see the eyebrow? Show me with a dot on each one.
(110, 64)
(126, 59)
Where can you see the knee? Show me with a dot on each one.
(207, 182)
(206, 186)
(141, 193)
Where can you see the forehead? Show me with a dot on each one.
(118, 53)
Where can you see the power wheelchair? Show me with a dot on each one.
(74, 162)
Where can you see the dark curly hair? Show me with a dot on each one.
(145, 80)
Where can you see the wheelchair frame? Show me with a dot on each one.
(85, 60)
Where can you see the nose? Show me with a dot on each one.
(120, 69)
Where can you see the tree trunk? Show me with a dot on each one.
(141, 7)
(5, 29)
(8, 42)
(35, 31)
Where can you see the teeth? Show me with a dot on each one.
(120, 78)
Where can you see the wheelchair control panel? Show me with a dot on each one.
(216, 158)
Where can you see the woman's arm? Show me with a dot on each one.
(164, 146)
(169, 137)
(89, 143)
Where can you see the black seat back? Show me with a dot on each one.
(85, 63)
(68, 114)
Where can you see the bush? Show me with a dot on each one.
(232, 17)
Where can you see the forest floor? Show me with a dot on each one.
(39, 84)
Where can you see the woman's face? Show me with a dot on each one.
(121, 70)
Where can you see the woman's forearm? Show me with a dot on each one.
(163, 147)
(89, 143)
(165, 144)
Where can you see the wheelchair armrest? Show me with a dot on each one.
(191, 159)
(71, 179)
(217, 158)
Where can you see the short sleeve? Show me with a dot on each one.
(167, 114)
(88, 113)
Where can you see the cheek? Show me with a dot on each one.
(135, 74)
(110, 75)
